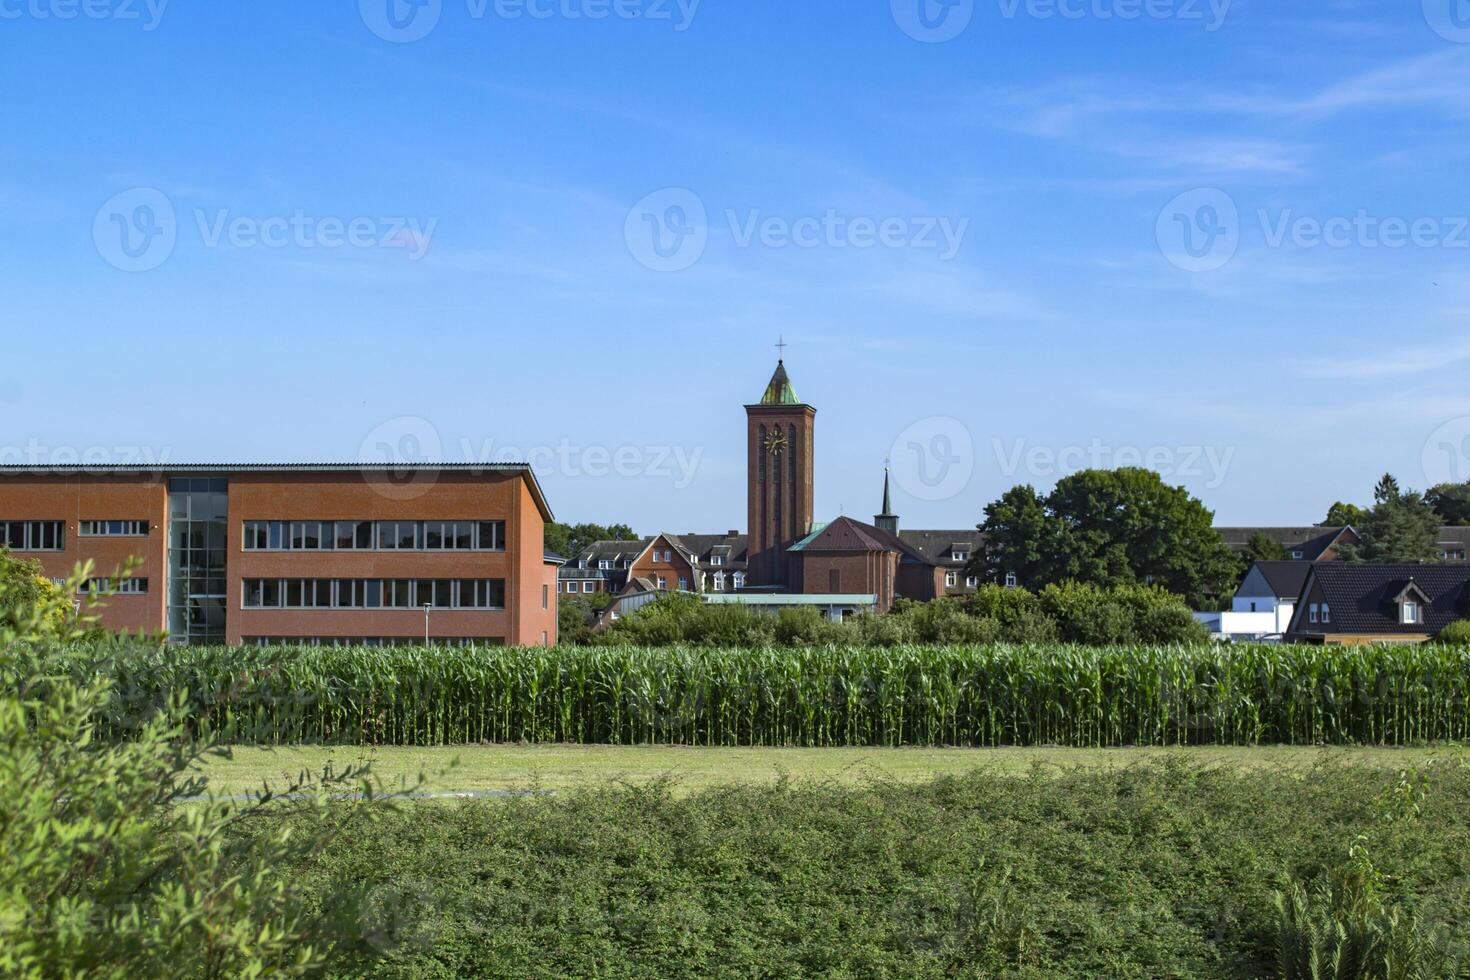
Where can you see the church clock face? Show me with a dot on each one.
(776, 443)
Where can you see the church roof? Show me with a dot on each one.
(846, 534)
(779, 391)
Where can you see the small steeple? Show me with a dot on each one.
(888, 520)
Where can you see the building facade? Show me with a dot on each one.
(332, 553)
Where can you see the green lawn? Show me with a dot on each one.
(512, 767)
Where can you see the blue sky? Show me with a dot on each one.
(1064, 235)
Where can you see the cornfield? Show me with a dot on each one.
(911, 695)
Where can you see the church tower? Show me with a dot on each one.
(778, 488)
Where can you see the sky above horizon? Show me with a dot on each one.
(1003, 239)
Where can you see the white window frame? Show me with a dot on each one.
(588, 587)
(972, 581)
(951, 579)
(1313, 613)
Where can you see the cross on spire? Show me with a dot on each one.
(781, 346)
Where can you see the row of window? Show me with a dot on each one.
(1319, 612)
(373, 593)
(372, 641)
(112, 529)
(952, 579)
(374, 535)
(127, 586)
(33, 535)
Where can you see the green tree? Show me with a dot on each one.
(1451, 501)
(1108, 528)
(574, 621)
(1020, 538)
(1401, 527)
(107, 872)
(1344, 515)
(25, 589)
(569, 539)
(1262, 548)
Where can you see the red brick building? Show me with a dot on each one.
(333, 553)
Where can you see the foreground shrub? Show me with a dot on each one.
(1161, 870)
(104, 872)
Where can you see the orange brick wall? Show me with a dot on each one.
(75, 499)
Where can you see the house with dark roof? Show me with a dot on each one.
(1299, 543)
(1264, 604)
(1344, 603)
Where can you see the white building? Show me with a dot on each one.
(1264, 603)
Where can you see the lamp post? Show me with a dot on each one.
(428, 606)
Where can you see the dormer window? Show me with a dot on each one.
(1296, 556)
(1412, 614)
(605, 565)
(739, 580)
(716, 559)
(581, 563)
(719, 581)
(627, 563)
(957, 555)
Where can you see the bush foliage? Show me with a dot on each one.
(1073, 613)
(104, 873)
(1171, 870)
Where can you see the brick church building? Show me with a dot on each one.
(785, 557)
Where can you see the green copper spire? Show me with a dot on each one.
(779, 391)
